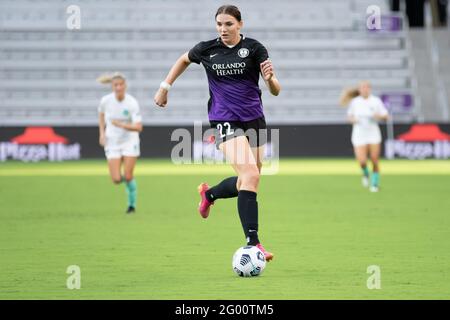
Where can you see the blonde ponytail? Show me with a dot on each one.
(108, 78)
(347, 95)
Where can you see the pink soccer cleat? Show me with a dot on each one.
(268, 255)
(204, 205)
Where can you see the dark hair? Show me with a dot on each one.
(231, 10)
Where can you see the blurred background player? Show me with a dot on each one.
(233, 64)
(364, 112)
(119, 124)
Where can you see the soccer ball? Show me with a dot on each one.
(248, 261)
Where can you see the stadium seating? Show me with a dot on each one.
(318, 46)
(430, 49)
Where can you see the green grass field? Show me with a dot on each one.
(324, 228)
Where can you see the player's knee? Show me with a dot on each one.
(251, 177)
(116, 180)
(128, 177)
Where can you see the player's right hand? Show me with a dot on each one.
(102, 140)
(378, 117)
(161, 97)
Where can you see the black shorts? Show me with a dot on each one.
(254, 130)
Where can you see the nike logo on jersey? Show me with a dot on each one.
(213, 55)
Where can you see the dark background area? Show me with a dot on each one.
(295, 140)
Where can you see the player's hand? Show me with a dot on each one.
(267, 70)
(117, 123)
(379, 117)
(102, 140)
(161, 97)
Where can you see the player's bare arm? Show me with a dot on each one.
(128, 126)
(101, 129)
(352, 119)
(269, 77)
(381, 117)
(177, 69)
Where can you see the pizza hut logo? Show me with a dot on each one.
(420, 142)
(39, 143)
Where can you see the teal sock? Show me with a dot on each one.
(132, 193)
(375, 179)
(365, 172)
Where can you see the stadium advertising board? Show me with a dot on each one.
(419, 142)
(37, 144)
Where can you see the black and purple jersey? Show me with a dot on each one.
(233, 75)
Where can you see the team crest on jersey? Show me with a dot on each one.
(125, 112)
(243, 52)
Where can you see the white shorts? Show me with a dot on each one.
(124, 149)
(365, 137)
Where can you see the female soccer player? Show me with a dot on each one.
(119, 124)
(233, 63)
(364, 112)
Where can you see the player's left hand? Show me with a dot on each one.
(117, 123)
(267, 70)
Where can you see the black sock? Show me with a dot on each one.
(248, 212)
(225, 189)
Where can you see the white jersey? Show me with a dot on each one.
(126, 110)
(365, 129)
